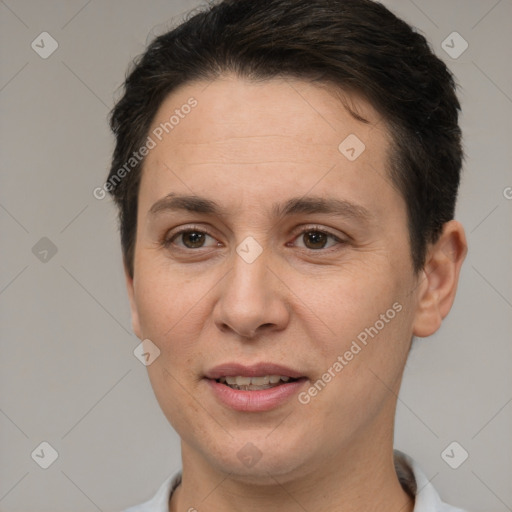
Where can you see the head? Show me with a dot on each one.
(280, 202)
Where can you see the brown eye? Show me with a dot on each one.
(315, 239)
(189, 239)
(193, 239)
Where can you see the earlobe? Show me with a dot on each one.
(133, 305)
(440, 279)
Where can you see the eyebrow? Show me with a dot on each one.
(294, 206)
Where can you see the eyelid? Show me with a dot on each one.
(316, 227)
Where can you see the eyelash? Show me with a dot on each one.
(168, 240)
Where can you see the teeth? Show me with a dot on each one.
(253, 381)
(260, 381)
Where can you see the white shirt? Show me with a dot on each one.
(413, 480)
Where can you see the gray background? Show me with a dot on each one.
(68, 373)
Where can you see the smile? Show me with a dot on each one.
(254, 388)
(254, 383)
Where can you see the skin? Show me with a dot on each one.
(300, 303)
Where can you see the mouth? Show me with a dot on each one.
(255, 388)
(243, 383)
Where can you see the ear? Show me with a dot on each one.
(440, 277)
(133, 305)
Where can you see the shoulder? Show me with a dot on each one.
(416, 483)
(160, 501)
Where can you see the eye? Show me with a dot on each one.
(316, 239)
(190, 238)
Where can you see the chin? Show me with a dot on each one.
(255, 459)
(264, 473)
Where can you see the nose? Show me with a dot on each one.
(252, 299)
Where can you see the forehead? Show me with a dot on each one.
(231, 106)
(273, 134)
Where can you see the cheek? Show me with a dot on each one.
(166, 301)
(359, 378)
(353, 299)
(180, 407)
(369, 319)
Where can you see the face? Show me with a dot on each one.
(270, 242)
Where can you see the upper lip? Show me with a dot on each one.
(255, 370)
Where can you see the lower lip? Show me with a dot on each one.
(255, 401)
